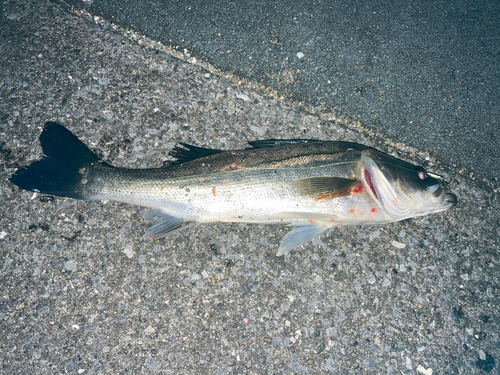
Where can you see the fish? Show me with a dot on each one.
(310, 185)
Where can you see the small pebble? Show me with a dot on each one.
(149, 330)
(422, 370)
(257, 130)
(129, 252)
(398, 245)
(70, 266)
(243, 97)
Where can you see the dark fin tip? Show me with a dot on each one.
(58, 172)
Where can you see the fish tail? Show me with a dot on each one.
(59, 172)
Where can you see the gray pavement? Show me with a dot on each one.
(423, 74)
(82, 291)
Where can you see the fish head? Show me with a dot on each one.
(402, 189)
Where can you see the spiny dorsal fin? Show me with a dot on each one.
(189, 152)
(278, 142)
(326, 188)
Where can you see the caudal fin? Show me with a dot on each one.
(58, 172)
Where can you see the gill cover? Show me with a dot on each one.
(402, 189)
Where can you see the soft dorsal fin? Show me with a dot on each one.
(189, 152)
(278, 142)
(326, 188)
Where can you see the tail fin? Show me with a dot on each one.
(58, 172)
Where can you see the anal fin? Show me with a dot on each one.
(169, 224)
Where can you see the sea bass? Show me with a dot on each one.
(310, 185)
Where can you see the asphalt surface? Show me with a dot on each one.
(424, 75)
(82, 290)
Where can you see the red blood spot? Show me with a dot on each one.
(351, 211)
(233, 165)
(213, 190)
(373, 210)
(357, 190)
(368, 179)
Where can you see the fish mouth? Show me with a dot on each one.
(440, 190)
(450, 200)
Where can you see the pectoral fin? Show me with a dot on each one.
(299, 235)
(325, 188)
(168, 224)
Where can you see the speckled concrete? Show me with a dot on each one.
(83, 292)
(420, 73)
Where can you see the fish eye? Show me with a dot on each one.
(422, 174)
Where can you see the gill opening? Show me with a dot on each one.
(368, 179)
